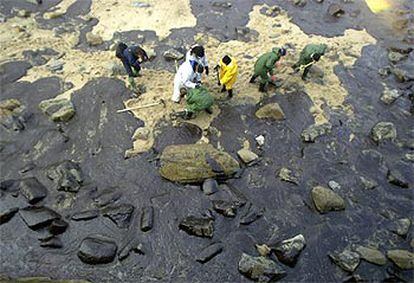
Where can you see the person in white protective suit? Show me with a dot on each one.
(186, 76)
(197, 54)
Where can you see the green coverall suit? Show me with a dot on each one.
(306, 56)
(198, 99)
(264, 65)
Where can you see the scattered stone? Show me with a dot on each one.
(58, 226)
(384, 72)
(251, 214)
(14, 122)
(371, 255)
(196, 162)
(409, 157)
(120, 214)
(97, 250)
(7, 214)
(210, 186)
(10, 186)
(115, 69)
(133, 245)
(200, 227)
(389, 96)
(403, 75)
(401, 174)
(23, 13)
(207, 253)
(334, 185)
(395, 57)
(401, 227)
(38, 217)
(260, 140)
(314, 131)
(272, 11)
(260, 268)
(270, 111)
(367, 183)
(142, 133)
(335, 10)
(93, 39)
(147, 218)
(32, 190)
(383, 131)
(173, 54)
(326, 200)
(242, 32)
(226, 208)
(85, 215)
(107, 198)
(300, 3)
(55, 65)
(137, 4)
(67, 176)
(34, 58)
(287, 175)
(59, 110)
(247, 156)
(288, 251)
(347, 260)
(8, 106)
(403, 259)
(221, 4)
(53, 15)
(54, 243)
(263, 250)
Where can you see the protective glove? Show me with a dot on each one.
(218, 83)
(216, 68)
(207, 72)
(198, 85)
(135, 73)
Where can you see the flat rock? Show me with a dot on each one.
(390, 95)
(271, 111)
(38, 217)
(371, 255)
(58, 110)
(367, 183)
(403, 259)
(195, 163)
(260, 268)
(210, 186)
(335, 10)
(53, 242)
(173, 54)
(119, 214)
(287, 175)
(201, 227)
(401, 174)
(97, 250)
(225, 208)
(6, 215)
(133, 245)
(58, 226)
(67, 176)
(32, 190)
(395, 57)
(247, 156)
(314, 131)
(250, 214)
(347, 260)
(383, 131)
(401, 226)
(147, 218)
(93, 39)
(288, 251)
(55, 65)
(85, 215)
(209, 252)
(326, 200)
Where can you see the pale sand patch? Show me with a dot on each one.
(121, 15)
(60, 9)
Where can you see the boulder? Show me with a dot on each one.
(53, 242)
(6, 215)
(395, 57)
(97, 250)
(201, 227)
(403, 259)
(247, 156)
(287, 175)
(195, 163)
(367, 183)
(209, 252)
(55, 65)
(383, 131)
(32, 190)
(250, 214)
(210, 186)
(270, 111)
(335, 10)
(58, 226)
(8, 106)
(147, 218)
(401, 174)
(288, 251)
(67, 176)
(141, 134)
(59, 110)
(401, 226)
(326, 200)
(390, 95)
(93, 39)
(347, 260)
(314, 131)
(38, 217)
(120, 214)
(225, 208)
(260, 268)
(371, 255)
(85, 215)
(173, 54)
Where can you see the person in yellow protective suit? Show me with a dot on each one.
(227, 74)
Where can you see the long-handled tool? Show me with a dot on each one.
(142, 106)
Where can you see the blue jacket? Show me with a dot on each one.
(131, 60)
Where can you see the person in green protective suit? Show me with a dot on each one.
(197, 99)
(265, 66)
(309, 55)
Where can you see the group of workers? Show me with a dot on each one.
(188, 79)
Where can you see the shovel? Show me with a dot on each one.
(142, 106)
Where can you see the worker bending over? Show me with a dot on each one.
(227, 76)
(186, 76)
(197, 100)
(309, 56)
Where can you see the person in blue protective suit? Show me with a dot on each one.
(131, 57)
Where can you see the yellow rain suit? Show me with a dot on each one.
(228, 73)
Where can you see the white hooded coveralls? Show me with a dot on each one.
(185, 77)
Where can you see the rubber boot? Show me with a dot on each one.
(209, 111)
(253, 79)
(223, 89)
(262, 87)
(230, 92)
(188, 115)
